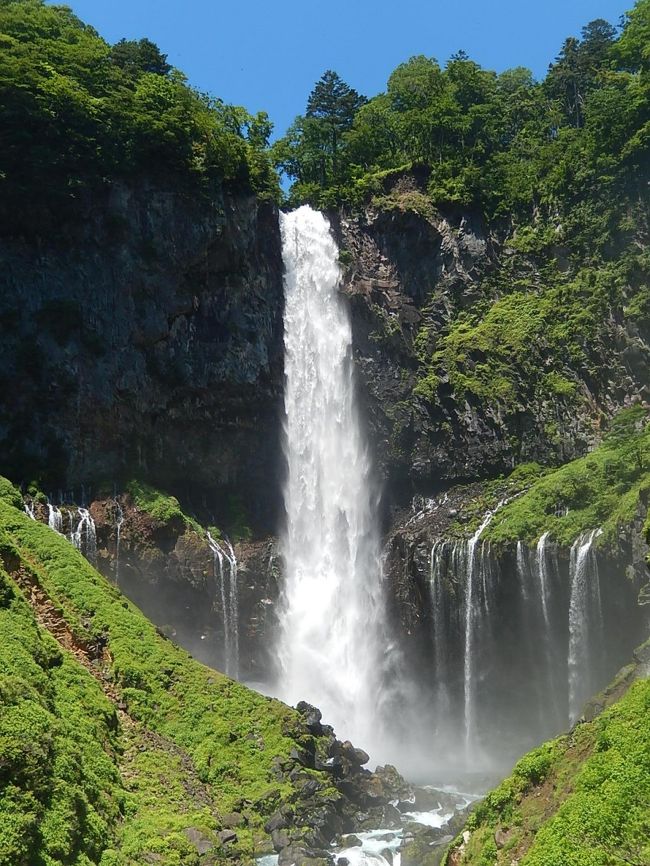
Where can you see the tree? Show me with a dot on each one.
(333, 103)
(633, 48)
(139, 56)
(578, 66)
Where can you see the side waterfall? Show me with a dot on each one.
(55, 518)
(332, 618)
(225, 575)
(585, 620)
(119, 520)
(518, 641)
(472, 601)
(84, 536)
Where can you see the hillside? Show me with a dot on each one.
(582, 799)
(116, 747)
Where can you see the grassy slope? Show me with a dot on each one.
(605, 488)
(608, 488)
(580, 800)
(196, 724)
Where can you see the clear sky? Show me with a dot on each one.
(267, 54)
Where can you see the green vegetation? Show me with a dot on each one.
(555, 167)
(77, 113)
(580, 800)
(111, 751)
(160, 506)
(498, 141)
(607, 488)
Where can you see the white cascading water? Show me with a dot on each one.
(439, 553)
(225, 575)
(54, 518)
(542, 571)
(84, 536)
(585, 618)
(119, 520)
(332, 619)
(470, 634)
(522, 569)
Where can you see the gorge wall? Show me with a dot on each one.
(146, 340)
(456, 384)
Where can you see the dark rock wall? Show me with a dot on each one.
(520, 662)
(148, 343)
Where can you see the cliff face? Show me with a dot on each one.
(476, 353)
(147, 343)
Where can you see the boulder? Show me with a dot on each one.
(280, 839)
(302, 856)
(201, 842)
(227, 836)
(312, 716)
(233, 819)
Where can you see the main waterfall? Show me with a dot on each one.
(332, 619)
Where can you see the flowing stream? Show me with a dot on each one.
(332, 618)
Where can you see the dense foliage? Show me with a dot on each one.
(550, 178)
(582, 800)
(608, 488)
(502, 142)
(76, 113)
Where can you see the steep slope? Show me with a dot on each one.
(583, 799)
(117, 747)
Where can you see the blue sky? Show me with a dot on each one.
(267, 54)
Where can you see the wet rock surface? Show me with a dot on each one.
(353, 798)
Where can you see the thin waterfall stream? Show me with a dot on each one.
(585, 620)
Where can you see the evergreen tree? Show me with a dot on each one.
(333, 104)
(139, 56)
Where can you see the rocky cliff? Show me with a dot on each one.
(479, 346)
(146, 340)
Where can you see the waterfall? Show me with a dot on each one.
(469, 683)
(585, 620)
(119, 520)
(437, 575)
(28, 505)
(84, 536)
(542, 572)
(522, 569)
(54, 518)
(332, 612)
(225, 575)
